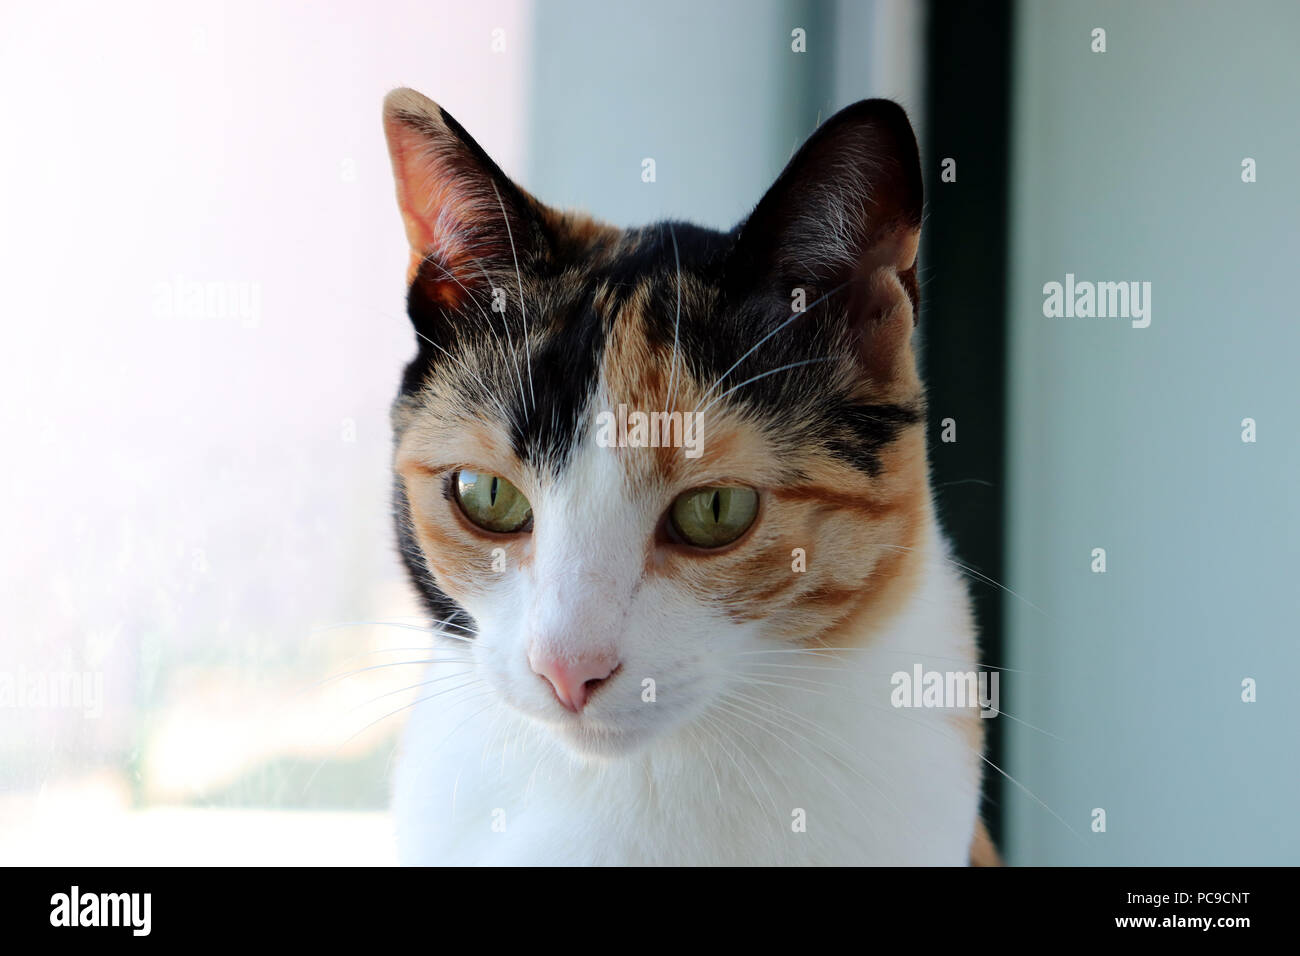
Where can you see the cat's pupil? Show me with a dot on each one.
(493, 492)
(716, 505)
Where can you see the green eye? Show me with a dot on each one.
(491, 502)
(712, 517)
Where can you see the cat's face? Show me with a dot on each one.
(616, 572)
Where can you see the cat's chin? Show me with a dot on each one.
(598, 743)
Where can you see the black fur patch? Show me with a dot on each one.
(564, 370)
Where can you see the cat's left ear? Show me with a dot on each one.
(844, 220)
(464, 217)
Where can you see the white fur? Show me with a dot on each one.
(494, 771)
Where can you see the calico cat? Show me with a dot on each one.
(646, 655)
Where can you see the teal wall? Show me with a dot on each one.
(1127, 166)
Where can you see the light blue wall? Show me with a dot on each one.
(711, 91)
(1127, 166)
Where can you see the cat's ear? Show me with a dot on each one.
(844, 220)
(464, 218)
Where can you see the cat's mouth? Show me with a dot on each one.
(590, 737)
(603, 742)
(617, 721)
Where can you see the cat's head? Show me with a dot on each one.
(627, 460)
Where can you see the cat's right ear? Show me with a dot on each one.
(465, 219)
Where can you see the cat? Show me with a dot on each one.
(648, 657)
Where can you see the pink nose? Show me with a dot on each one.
(574, 680)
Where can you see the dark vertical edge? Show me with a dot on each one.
(968, 49)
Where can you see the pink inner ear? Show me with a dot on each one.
(440, 205)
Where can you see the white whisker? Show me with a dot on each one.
(523, 308)
(757, 344)
(672, 375)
